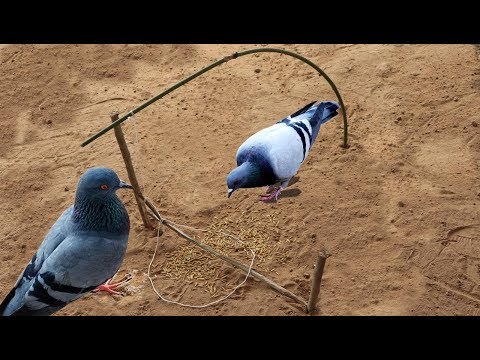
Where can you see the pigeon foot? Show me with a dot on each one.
(269, 196)
(271, 189)
(110, 288)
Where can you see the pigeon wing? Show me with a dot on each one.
(296, 113)
(316, 116)
(255, 144)
(278, 144)
(54, 237)
(286, 151)
(78, 265)
(302, 110)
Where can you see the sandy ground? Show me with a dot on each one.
(398, 210)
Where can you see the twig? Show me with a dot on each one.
(316, 280)
(131, 172)
(99, 102)
(229, 260)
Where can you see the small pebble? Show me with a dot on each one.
(257, 70)
(401, 204)
(474, 123)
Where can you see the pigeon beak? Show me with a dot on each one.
(229, 193)
(123, 184)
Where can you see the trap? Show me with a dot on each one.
(214, 230)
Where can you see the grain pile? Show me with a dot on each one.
(236, 237)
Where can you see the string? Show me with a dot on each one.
(188, 305)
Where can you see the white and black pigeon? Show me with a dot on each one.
(82, 250)
(274, 155)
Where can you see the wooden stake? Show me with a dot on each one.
(231, 261)
(131, 172)
(316, 280)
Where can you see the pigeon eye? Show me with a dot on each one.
(104, 186)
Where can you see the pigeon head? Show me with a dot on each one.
(97, 207)
(245, 176)
(100, 182)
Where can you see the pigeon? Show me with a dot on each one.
(83, 249)
(274, 155)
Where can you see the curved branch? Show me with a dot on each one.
(217, 63)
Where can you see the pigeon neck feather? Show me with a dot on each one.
(101, 214)
(251, 174)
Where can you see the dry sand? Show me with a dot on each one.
(398, 210)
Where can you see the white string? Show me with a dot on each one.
(197, 306)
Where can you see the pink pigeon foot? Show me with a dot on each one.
(270, 196)
(271, 188)
(110, 288)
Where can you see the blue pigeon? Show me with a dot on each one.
(82, 250)
(273, 155)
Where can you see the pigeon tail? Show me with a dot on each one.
(7, 300)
